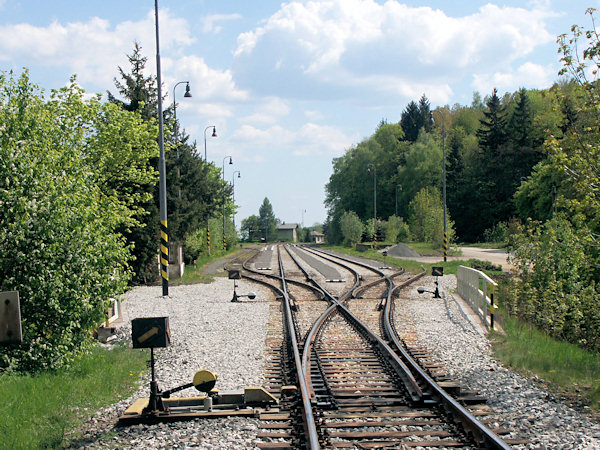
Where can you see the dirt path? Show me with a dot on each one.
(495, 256)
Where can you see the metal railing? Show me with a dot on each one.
(477, 289)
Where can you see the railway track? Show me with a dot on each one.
(343, 376)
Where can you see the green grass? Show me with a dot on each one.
(39, 411)
(567, 368)
(194, 275)
(450, 267)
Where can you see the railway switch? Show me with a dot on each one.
(153, 332)
(236, 274)
(436, 272)
(150, 332)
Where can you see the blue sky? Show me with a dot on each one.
(291, 85)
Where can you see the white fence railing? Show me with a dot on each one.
(477, 289)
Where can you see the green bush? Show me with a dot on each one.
(59, 245)
(352, 227)
(555, 289)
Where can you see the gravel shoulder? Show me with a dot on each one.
(522, 404)
(208, 331)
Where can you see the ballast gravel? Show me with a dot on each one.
(208, 331)
(521, 404)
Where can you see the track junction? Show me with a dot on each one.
(343, 376)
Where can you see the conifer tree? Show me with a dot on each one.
(411, 121)
(492, 132)
(141, 94)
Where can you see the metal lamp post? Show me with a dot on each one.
(162, 172)
(214, 134)
(369, 168)
(233, 192)
(444, 185)
(187, 94)
(223, 174)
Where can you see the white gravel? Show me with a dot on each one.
(522, 404)
(208, 331)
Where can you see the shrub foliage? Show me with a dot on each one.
(61, 200)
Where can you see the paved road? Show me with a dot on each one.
(495, 256)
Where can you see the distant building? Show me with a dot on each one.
(287, 232)
(316, 237)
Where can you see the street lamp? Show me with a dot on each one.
(223, 174)
(374, 169)
(187, 94)
(162, 172)
(214, 134)
(233, 192)
(444, 184)
(398, 186)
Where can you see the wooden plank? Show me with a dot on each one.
(384, 434)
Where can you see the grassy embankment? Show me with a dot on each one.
(199, 274)
(565, 368)
(40, 411)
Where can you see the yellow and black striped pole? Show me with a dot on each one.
(164, 256)
(208, 238)
(162, 173)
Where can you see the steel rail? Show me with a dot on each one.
(276, 277)
(481, 433)
(310, 427)
(401, 369)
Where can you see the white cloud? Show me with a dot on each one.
(528, 75)
(205, 82)
(92, 49)
(210, 23)
(319, 48)
(270, 111)
(314, 115)
(308, 140)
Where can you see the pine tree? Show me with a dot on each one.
(520, 127)
(411, 121)
(426, 115)
(141, 94)
(267, 220)
(492, 132)
(136, 87)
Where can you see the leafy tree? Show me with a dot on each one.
(423, 168)
(250, 228)
(352, 228)
(426, 218)
(553, 289)
(60, 245)
(267, 220)
(395, 229)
